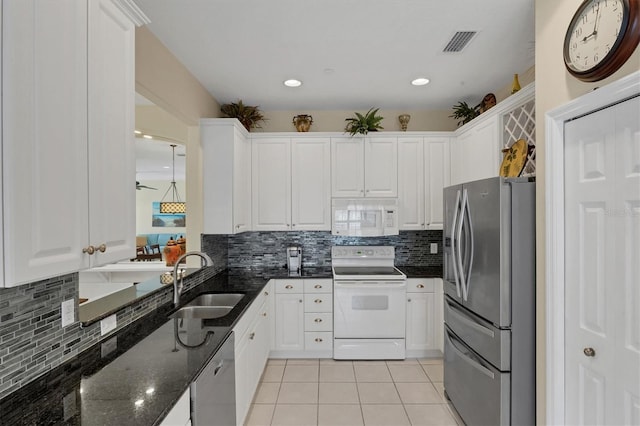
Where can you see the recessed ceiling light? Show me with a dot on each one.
(420, 81)
(292, 83)
(147, 136)
(137, 132)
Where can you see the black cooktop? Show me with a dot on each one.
(366, 270)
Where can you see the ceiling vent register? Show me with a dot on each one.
(459, 41)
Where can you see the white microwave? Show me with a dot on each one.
(364, 217)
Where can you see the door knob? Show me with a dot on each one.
(589, 352)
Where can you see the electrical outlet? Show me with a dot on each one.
(108, 324)
(434, 248)
(67, 312)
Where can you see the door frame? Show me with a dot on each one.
(603, 97)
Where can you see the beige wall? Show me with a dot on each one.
(153, 120)
(554, 87)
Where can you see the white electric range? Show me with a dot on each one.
(369, 295)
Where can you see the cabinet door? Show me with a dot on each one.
(243, 377)
(311, 184)
(271, 184)
(411, 183)
(112, 199)
(436, 162)
(347, 167)
(420, 321)
(381, 167)
(44, 133)
(241, 202)
(289, 322)
(476, 152)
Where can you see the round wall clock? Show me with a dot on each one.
(601, 37)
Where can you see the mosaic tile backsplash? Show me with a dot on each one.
(268, 249)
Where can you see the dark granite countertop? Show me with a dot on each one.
(421, 271)
(283, 273)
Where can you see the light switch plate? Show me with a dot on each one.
(67, 312)
(108, 324)
(434, 248)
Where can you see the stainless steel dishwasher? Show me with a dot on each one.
(213, 393)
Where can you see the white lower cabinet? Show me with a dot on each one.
(252, 344)
(424, 317)
(304, 318)
(180, 414)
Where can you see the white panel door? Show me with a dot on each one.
(602, 248)
(271, 184)
(289, 322)
(436, 173)
(381, 167)
(241, 201)
(44, 133)
(112, 208)
(347, 167)
(411, 183)
(311, 184)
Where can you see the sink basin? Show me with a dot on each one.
(202, 312)
(218, 300)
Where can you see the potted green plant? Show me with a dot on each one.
(249, 116)
(363, 124)
(464, 113)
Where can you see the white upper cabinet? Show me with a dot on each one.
(67, 137)
(311, 184)
(476, 151)
(364, 167)
(271, 184)
(437, 162)
(411, 182)
(226, 174)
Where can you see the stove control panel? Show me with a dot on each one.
(361, 252)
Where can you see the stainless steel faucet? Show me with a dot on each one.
(178, 287)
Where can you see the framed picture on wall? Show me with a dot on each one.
(163, 220)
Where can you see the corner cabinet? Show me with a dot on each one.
(226, 176)
(67, 136)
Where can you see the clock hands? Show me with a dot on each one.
(595, 26)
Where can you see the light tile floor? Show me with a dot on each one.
(332, 393)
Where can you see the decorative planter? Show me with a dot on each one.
(302, 122)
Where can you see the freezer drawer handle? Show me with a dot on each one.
(466, 357)
(460, 315)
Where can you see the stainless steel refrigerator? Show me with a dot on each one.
(489, 307)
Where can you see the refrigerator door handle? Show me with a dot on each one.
(466, 210)
(463, 317)
(458, 252)
(468, 357)
(454, 251)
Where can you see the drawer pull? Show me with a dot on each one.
(252, 335)
(318, 339)
(318, 320)
(318, 300)
(288, 286)
(317, 286)
(420, 286)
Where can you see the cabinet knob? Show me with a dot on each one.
(367, 190)
(237, 226)
(264, 314)
(293, 224)
(288, 286)
(408, 300)
(317, 286)
(318, 320)
(300, 300)
(266, 293)
(590, 352)
(252, 335)
(318, 300)
(102, 248)
(318, 339)
(89, 250)
(420, 286)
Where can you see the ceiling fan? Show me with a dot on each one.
(140, 187)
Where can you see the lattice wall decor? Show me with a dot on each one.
(521, 124)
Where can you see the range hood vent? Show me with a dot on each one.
(459, 41)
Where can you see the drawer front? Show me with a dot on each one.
(318, 321)
(289, 286)
(318, 302)
(318, 341)
(318, 285)
(420, 285)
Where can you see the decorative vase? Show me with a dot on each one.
(182, 243)
(515, 86)
(404, 121)
(302, 122)
(172, 252)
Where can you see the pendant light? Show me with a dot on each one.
(174, 206)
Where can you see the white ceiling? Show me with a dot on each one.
(153, 161)
(350, 54)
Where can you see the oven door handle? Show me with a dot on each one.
(402, 285)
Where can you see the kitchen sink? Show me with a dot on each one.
(209, 306)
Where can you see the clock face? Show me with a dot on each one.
(594, 32)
